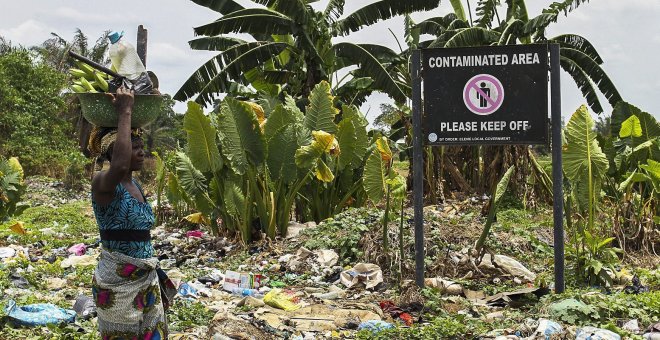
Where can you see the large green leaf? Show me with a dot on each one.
(233, 198)
(220, 6)
(202, 146)
(622, 111)
(382, 10)
(352, 137)
(374, 176)
(320, 115)
(370, 65)
(240, 136)
(254, 21)
(583, 160)
(500, 189)
(631, 127)
(281, 131)
(633, 177)
(191, 179)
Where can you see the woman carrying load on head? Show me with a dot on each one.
(130, 291)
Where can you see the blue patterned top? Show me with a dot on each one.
(125, 212)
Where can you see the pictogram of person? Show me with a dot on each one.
(483, 102)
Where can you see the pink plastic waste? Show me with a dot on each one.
(195, 233)
(78, 249)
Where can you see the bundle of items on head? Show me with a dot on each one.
(93, 81)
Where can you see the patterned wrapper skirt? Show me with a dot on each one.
(131, 297)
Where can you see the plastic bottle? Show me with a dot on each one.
(246, 292)
(124, 57)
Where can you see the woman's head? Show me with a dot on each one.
(102, 142)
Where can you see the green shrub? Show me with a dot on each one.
(31, 115)
(343, 233)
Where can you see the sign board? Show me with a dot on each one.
(485, 95)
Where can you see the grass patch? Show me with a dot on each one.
(63, 226)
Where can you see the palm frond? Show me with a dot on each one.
(221, 6)
(486, 12)
(579, 43)
(432, 26)
(516, 9)
(512, 31)
(334, 10)
(473, 36)
(583, 82)
(216, 75)
(382, 10)
(383, 81)
(565, 6)
(595, 72)
(217, 43)
(252, 21)
(457, 5)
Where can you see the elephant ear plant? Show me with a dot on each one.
(246, 167)
(585, 166)
(12, 188)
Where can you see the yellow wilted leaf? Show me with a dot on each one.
(197, 218)
(258, 110)
(384, 149)
(18, 228)
(16, 166)
(323, 173)
(325, 139)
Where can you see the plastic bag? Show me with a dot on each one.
(38, 314)
(276, 298)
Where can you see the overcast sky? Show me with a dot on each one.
(626, 33)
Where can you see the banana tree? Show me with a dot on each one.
(292, 49)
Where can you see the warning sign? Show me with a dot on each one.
(485, 95)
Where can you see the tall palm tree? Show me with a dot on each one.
(291, 49)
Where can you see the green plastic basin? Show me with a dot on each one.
(97, 108)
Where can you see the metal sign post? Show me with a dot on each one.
(418, 164)
(557, 175)
(495, 95)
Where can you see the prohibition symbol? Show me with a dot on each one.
(483, 94)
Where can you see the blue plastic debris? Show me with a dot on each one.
(38, 314)
(185, 290)
(375, 326)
